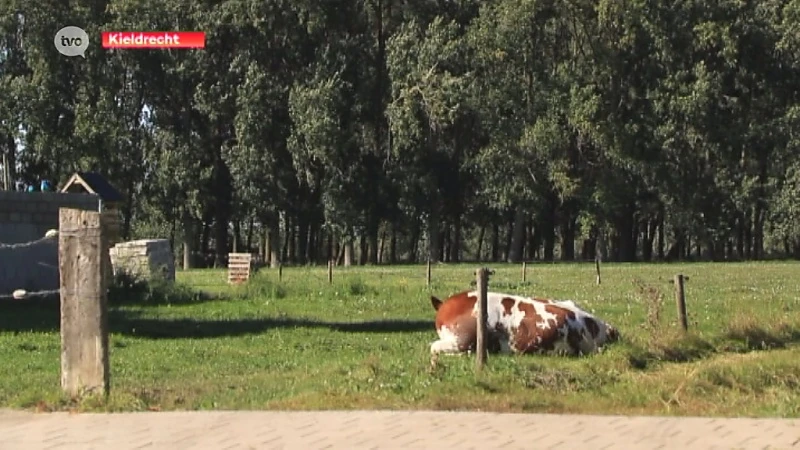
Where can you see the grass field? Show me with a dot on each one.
(363, 342)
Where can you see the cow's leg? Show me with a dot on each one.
(449, 343)
(445, 346)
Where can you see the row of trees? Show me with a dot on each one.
(388, 130)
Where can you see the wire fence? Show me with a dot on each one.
(23, 294)
(52, 234)
(440, 276)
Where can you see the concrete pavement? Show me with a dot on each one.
(385, 430)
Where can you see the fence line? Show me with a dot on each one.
(37, 259)
(22, 294)
(51, 234)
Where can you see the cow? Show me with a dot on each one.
(518, 324)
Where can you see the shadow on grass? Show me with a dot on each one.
(737, 338)
(200, 329)
(43, 315)
(750, 336)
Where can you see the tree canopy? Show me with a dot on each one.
(384, 131)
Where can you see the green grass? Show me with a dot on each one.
(363, 342)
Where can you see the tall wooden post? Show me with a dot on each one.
(524, 271)
(82, 247)
(680, 300)
(482, 276)
(330, 271)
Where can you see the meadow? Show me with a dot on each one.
(363, 342)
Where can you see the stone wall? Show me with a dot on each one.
(26, 216)
(145, 259)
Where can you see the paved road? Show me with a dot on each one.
(385, 430)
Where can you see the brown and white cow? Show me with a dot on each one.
(519, 324)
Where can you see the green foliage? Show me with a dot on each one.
(126, 289)
(585, 118)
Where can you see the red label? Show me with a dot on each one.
(154, 39)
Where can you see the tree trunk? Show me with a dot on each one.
(329, 253)
(434, 244)
(688, 248)
(374, 243)
(517, 234)
(274, 243)
(601, 248)
(455, 242)
(661, 242)
(237, 233)
(301, 247)
(589, 247)
(311, 253)
(250, 225)
(530, 249)
(740, 236)
(263, 248)
(649, 236)
(547, 225)
(288, 239)
(413, 243)
(509, 234)
(478, 254)
(748, 237)
(127, 210)
(536, 241)
(758, 233)
(188, 240)
(205, 243)
(568, 237)
(220, 240)
(222, 203)
(381, 245)
(444, 254)
(348, 251)
(393, 244)
(626, 231)
(495, 240)
(363, 248)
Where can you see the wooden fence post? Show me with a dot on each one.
(482, 276)
(82, 247)
(330, 271)
(280, 271)
(680, 300)
(524, 271)
(428, 274)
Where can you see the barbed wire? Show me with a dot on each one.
(51, 234)
(22, 294)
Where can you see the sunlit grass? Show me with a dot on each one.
(363, 342)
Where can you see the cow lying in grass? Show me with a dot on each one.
(519, 324)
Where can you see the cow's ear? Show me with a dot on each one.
(436, 302)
